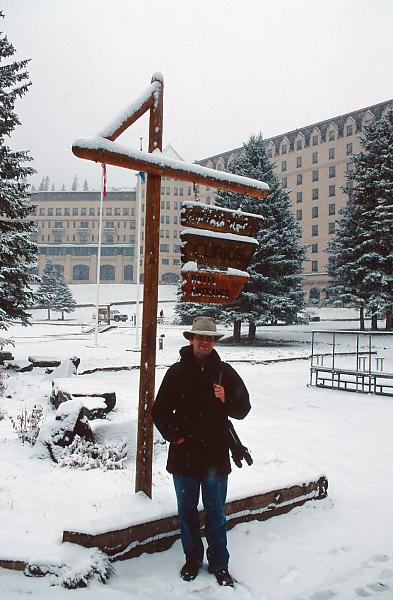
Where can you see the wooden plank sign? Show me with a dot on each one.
(213, 287)
(215, 218)
(208, 248)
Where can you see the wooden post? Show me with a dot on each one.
(144, 456)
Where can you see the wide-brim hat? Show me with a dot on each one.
(203, 326)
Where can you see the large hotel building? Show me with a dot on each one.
(311, 162)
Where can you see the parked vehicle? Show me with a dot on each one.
(117, 316)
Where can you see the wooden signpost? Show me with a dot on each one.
(211, 242)
(103, 149)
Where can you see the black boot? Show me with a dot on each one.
(190, 569)
(223, 577)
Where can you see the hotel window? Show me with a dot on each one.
(162, 219)
(176, 205)
(161, 233)
(332, 190)
(58, 212)
(83, 212)
(298, 161)
(167, 233)
(175, 220)
(168, 205)
(299, 214)
(162, 204)
(189, 191)
(108, 212)
(331, 136)
(162, 191)
(315, 194)
(332, 209)
(75, 211)
(50, 212)
(284, 165)
(181, 192)
(349, 148)
(314, 140)
(126, 212)
(165, 261)
(314, 248)
(117, 212)
(92, 211)
(299, 179)
(314, 158)
(167, 219)
(332, 153)
(350, 167)
(176, 191)
(314, 266)
(314, 230)
(284, 149)
(350, 130)
(299, 197)
(270, 153)
(315, 212)
(164, 247)
(175, 233)
(332, 171)
(315, 175)
(42, 211)
(284, 183)
(58, 224)
(299, 145)
(168, 191)
(332, 227)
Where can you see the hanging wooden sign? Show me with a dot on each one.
(217, 250)
(223, 220)
(213, 287)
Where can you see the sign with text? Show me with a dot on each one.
(213, 287)
(217, 250)
(223, 220)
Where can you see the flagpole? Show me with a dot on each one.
(103, 194)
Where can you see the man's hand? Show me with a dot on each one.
(219, 392)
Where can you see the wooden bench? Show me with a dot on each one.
(362, 381)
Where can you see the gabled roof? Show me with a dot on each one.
(170, 152)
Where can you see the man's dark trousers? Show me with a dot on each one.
(214, 490)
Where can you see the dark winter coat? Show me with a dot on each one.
(187, 407)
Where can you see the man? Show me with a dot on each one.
(191, 411)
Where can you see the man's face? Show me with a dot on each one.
(202, 345)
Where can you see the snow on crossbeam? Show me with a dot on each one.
(104, 151)
(159, 534)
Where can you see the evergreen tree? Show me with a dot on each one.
(64, 301)
(85, 186)
(75, 184)
(17, 251)
(63, 189)
(47, 290)
(275, 287)
(361, 266)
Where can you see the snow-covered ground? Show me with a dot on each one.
(340, 547)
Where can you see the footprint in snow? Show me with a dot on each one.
(323, 595)
(375, 560)
(369, 590)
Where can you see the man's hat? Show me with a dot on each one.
(203, 326)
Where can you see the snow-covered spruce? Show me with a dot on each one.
(18, 253)
(361, 265)
(54, 292)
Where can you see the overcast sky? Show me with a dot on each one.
(231, 68)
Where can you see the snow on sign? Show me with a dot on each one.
(213, 253)
(223, 220)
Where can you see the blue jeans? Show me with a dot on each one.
(214, 491)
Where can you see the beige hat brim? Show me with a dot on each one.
(188, 334)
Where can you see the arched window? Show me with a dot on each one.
(128, 273)
(315, 295)
(170, 278)
(80, 273)
(107, 273)
(59, 269)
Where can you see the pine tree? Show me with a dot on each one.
(64, 301)
(275, 287)
(17, 251)
(361, 266)
(47, 290)
(75, 184)
(85, 186)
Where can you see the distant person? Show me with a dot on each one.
(191, 411)
(161, 317)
